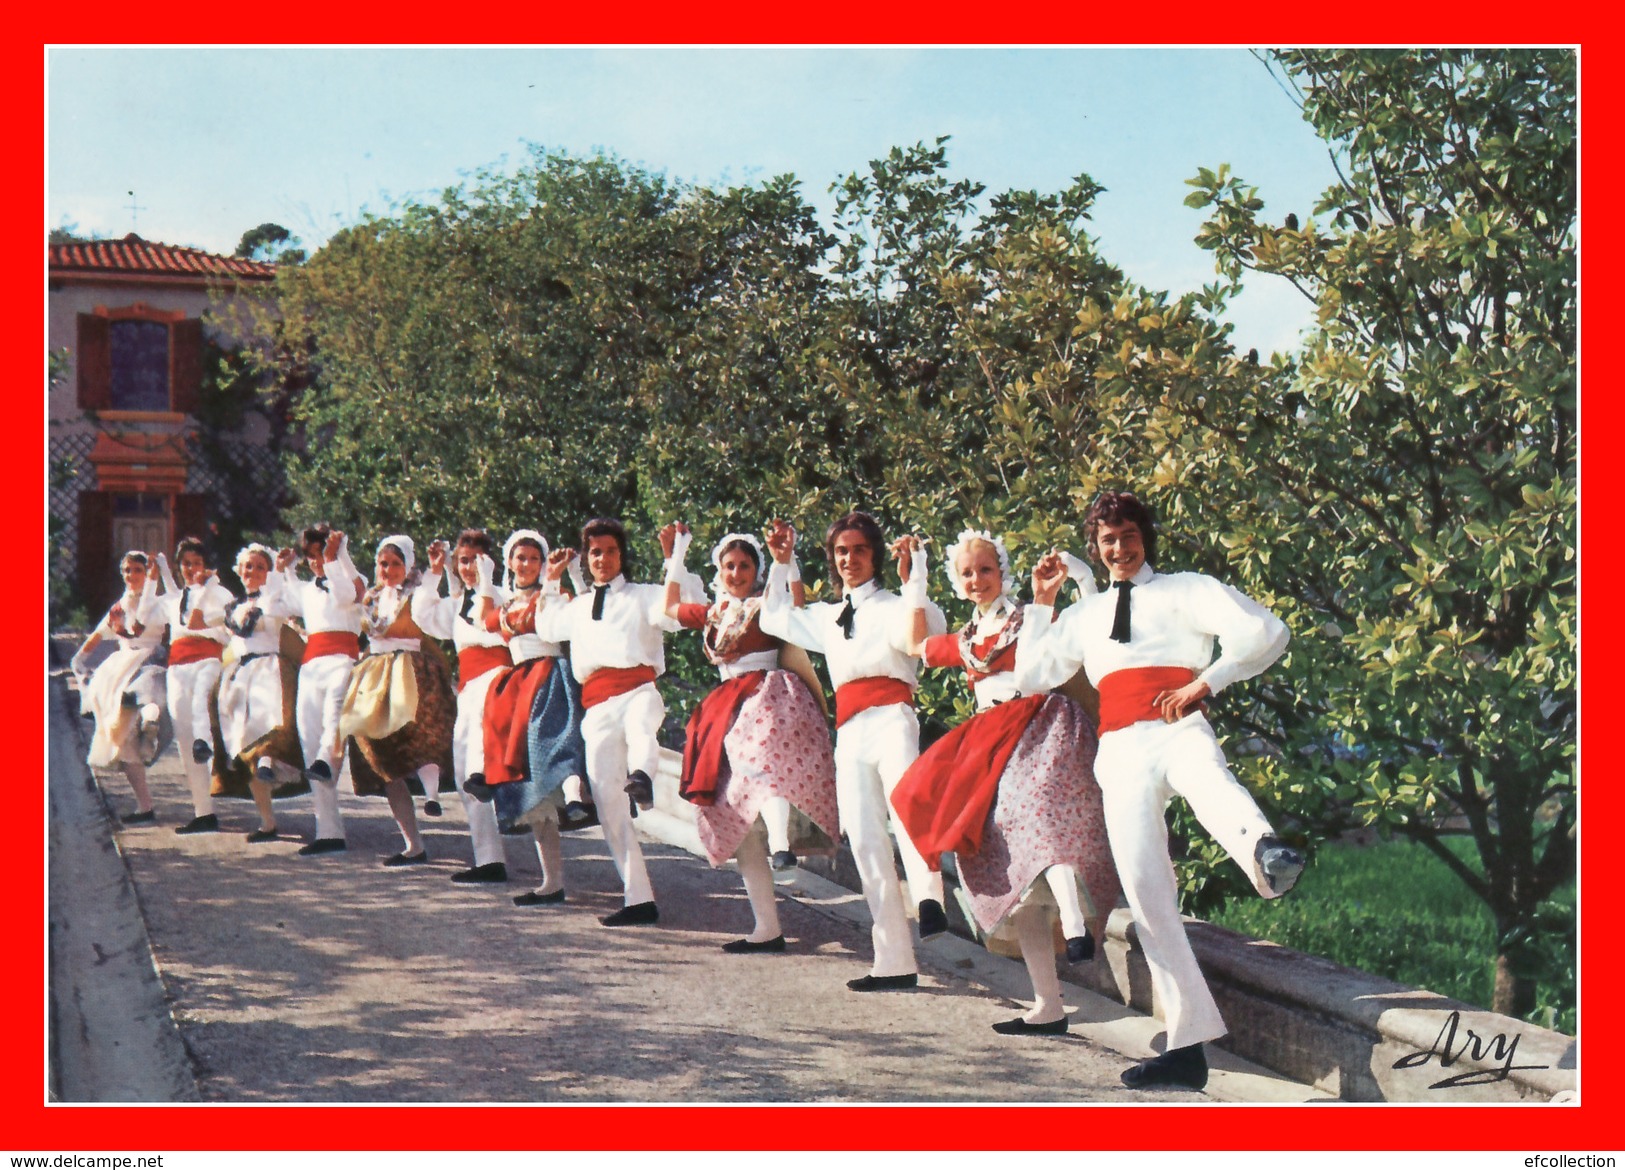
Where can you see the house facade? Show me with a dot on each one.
(126, 318)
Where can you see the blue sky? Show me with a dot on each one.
(216, 140)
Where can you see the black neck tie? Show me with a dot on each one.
(845, 618)
(321, 583)
(599, 592)
(468, 603)
(1120, 622)
(186, 595)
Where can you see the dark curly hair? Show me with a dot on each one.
(315, 534)
(1120, 508)
(863, 523)
(476, 538)
(190, 544)
(603, 526)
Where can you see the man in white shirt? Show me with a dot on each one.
(196, 614)
(616, 630)
(329, 606)
(1147, 645)
(865, 642)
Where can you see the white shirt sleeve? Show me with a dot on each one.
(216, 600)
(1250, 636)
(900, 629)
(1043, 661)
(432, 613)
(782, 618)
(275, 600)
(553, 618)
(148, 610)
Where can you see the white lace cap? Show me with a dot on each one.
(402, 545)
(950, 559)
(252, 547)
(716, 559)
(514, 538)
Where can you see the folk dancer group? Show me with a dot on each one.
(1050, 796)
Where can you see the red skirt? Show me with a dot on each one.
(507, 720)
(704, 760)
(945, 796)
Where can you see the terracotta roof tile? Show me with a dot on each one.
(133, 254)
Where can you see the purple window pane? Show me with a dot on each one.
(140, 352)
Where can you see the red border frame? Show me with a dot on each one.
(34, 1126)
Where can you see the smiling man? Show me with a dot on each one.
(866, 641)
(616, 630)
(1147, 645)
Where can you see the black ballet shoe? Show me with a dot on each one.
(883, 983)
(260, 836)
(323, 845)
(933, 920)
(1080, 949)
(265, 774)
(491, 872)
(207, 823)
(1020, 1027)
(476, 787)
(532, 898)
(578, 815)
(1184, 1068)
(641, 789)
(642, 914)
(743, 946)
(431, 808)
(784, 859)
(146, 817)
(513, 829)
(319, 771)
(421, 857)
(201, 751)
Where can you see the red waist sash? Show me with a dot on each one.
(320, 645)
(185, 649)
(860, 694)
(473, 661)
(507, 720)
(607, 682)
(945, 796)
(704, 764)
(1125, 695)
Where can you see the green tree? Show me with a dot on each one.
(1404, 489)
(272, 243)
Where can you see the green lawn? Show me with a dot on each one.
(1394, 910)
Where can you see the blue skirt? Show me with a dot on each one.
(556, 750)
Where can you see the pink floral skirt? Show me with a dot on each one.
(778, 746)
(1048, 812)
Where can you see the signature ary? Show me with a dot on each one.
(1474, 1048)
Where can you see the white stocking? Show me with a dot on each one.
(753, 867)
(1038, 952)
(430, 775)
(1063, 883)
(136, 773)
(400, 806)
(550, 853)
(776, 816)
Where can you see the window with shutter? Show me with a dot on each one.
(140, 365)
